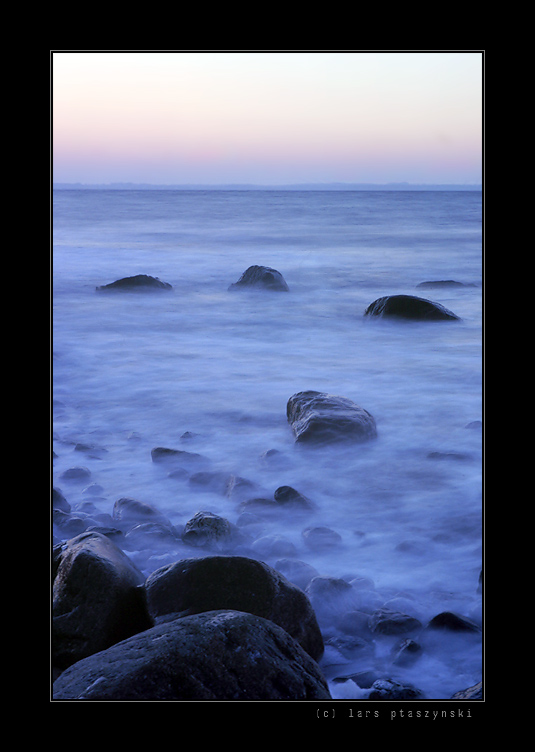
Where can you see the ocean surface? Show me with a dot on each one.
(208, 370)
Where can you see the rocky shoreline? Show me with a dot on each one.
(219, 622)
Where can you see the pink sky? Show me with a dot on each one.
(267, 118)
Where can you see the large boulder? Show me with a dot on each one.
(97, 598)
(237, 583)
(217, 655)
(261, 277)
(409, 307)
(323, 418)
(139, 282)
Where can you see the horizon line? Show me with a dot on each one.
(332, 185)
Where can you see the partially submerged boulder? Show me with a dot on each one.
(316, 417)
(237, 583)
(217, 655)
(139, 282)
(97, 599)
(263, 277)
(409, 307)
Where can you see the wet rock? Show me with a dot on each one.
(387, 622)
(472, 693)
(409, 307)
(292, 499)
(443, 283)
(218, 655)
(354, 623)
(273, 547)
(406, 653)
(299, 572)
(316, 417)
(209, 530)
(388, 689)
(452, 622)
(352, 647)
(96, 598)
(69, 525)
(128, 512)
(236, 583)
(330, 597)
(456, 456)
(261, 277)
(150, 535)
(76, 474)
(169, 456)
(139, 282)
(321, 538)
(59, 501)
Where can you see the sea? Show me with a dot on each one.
(209, 370)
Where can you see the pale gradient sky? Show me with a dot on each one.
(267, 117)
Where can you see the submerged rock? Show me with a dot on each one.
(409, 307)
(324, 418)
(138, 282)
(262, 277)
(443, 283)
(217, 655)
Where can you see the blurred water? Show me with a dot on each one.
(136, 371)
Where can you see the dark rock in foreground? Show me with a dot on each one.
(97, 600)
(409, 307)
(236, 583)
(138, 282)
(323, 418)
(217, 655)
(262, 277)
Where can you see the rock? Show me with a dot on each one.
(177, 456)
(354, 623)
(298, 572)
(70, 525)
(209, 530)
(316, 417)
(406, 653)
(409, 307)
(388, 689)
(207, 480)
(150, 535)
(273, 546)
(447, 620)
(472, 693)
(387, 622)
(236, 583)
(292, 499)
(97, 600)
(130, 512)
(443, 283)
(76, 474)
(330, 597)
(59, 501)
(457, 456)
(320, 538)
(261, 277)
(139, 282)
(218, 655)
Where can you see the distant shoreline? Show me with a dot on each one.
(253, 187)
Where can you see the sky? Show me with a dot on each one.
(267, 118)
